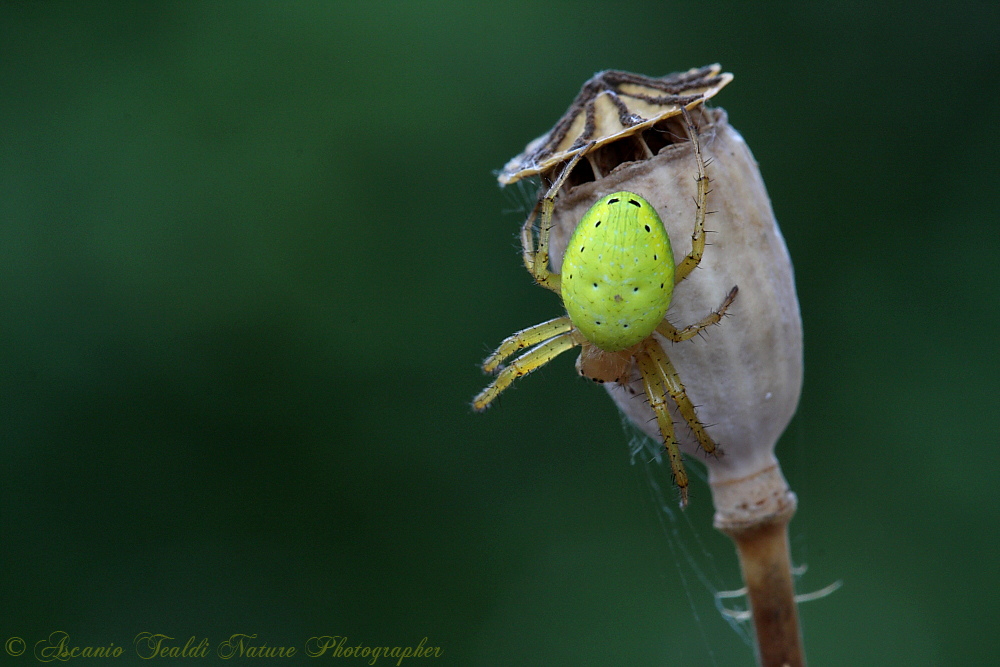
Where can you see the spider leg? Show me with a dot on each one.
(534, 358)
(526, 338)
(536, 258)
(667, 374)
(667, 330)
(528, 251)
(689, 263)
(658, 401)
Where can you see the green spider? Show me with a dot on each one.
(617, 280)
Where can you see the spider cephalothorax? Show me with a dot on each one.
(617, 281)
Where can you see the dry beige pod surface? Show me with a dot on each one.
(746, 373)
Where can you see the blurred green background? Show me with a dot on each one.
(253, 252)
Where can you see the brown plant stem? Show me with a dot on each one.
(766, 566)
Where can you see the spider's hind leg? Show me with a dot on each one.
(667, 330)
(689, 263)
(536, 258)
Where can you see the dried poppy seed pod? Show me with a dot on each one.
(746, 373)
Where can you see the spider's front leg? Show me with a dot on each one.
(667, 375)
(536, 259)
(651, 382)
(526, 338)
(534, 358)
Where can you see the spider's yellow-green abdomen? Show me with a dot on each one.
(618, 272)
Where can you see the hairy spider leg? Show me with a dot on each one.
(688, 264)
(534, 358)
(536, 259)
(526, 338)
(667, 330)
(667, 375)
(658, 401)
(528, 251)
